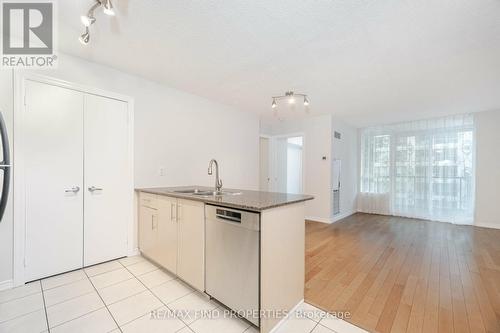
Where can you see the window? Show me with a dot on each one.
(376, 170)
(426, 167)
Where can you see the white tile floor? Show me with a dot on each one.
(119, 296)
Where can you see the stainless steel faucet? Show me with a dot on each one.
(218, 182)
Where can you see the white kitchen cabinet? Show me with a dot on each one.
(191, 233)
(167, 233)
(172, 233)
(148, 222)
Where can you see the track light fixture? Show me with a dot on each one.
(290, 96)
(89, 19)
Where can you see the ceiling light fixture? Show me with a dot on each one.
(89, 19)
(290, 96)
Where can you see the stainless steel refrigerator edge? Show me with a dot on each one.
(5, 166)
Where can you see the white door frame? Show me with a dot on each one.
(268, 138)
(20, 79)
(272, 159)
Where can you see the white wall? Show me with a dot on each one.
(346, 149)
(487, 169)
(177, 130)
(173, 129)
(317, 172)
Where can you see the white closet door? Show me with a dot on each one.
(108, 180)
(52, 136)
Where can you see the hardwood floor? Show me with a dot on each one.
(404, 275)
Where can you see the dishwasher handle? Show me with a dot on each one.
(228, 218)
(234, 217)
(228, 215)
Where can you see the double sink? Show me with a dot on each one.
(205, 193)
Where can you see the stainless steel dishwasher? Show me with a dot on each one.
(232, 259)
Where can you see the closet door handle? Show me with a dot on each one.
(93, 189)
(74, 189)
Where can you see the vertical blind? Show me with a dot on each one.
(421, 169)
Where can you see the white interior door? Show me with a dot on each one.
(52, 136)
(108, 179)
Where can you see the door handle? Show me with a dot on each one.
(93, 189)
(74, 189)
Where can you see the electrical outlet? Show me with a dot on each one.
(162, 171)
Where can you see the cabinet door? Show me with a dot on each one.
(167, 233)
(108, 179)
(52, 171)
(148, 235)
(191, 228)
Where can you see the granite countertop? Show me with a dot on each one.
(242, 199)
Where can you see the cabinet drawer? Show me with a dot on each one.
(148, 200)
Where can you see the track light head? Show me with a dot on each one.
(108, 7)
(88, 19)
(85, 37)
(291, 98)
(306, 101)
(274, 105)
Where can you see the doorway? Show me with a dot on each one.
(285, 163)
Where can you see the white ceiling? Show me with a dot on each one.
(362, 60)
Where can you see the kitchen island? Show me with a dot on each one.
(177, 230)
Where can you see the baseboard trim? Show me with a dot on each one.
(486, 225)
(319, 219)
(8, 284)
(282, 321)
(331, 219)
(133, 252)
(342, 216)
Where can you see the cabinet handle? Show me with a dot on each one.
(153, 222)
(172, 216)
(179, 209)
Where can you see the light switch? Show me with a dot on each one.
(161, 171)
